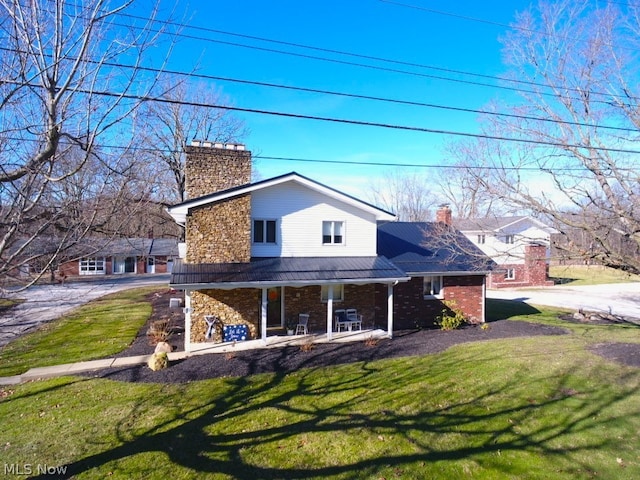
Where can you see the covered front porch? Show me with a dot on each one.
(268, 296)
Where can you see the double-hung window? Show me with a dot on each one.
(510, 239)
(510, 274)
(264, 231)
(433, 287)
(332, 233)
(338, 293)
(481, 239)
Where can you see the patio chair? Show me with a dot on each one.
(340, 317)
(354, 319)
(303, 321)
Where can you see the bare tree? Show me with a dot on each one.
(577, 117)
(67, 71)
(461, 186)
(408, 195)
(185, 115)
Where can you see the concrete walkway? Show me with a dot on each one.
(202, 349)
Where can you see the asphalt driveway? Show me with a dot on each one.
(616, 298)
(48, 302)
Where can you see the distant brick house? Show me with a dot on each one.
(120, 256)
(520, 246)
(259, 254)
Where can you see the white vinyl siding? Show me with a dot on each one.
(300, 213)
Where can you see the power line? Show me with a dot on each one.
(375, 58)
(352, 95)
(146, 98)
(156, 150)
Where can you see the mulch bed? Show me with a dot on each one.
(289, 359)
(624, 353)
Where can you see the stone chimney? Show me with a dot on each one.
(443, 215)
(218, 232)
(211, 167)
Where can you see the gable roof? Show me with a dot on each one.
(496, 224)
(421, 248)
(180, 211)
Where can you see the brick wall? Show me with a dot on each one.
(220, 232)
(411, 310)
(307, 300)
(534, 272)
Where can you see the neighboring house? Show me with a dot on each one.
(520, 245)
(120, 256)
(259, 254)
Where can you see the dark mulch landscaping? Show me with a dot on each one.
(624, 353)
(292, 358)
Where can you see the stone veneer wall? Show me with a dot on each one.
(411, 310)
(220, 232)
(209, 170)
(233, 307)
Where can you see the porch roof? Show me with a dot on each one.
(286, 271)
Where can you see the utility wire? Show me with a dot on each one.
(380, 59)
(346, 94)
(146, 98)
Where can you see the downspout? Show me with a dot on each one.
(187, 321)
(390, 308)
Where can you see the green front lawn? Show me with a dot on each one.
(523, 408)
(99, 329)
(589, 275)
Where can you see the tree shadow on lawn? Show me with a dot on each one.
(198, 438)
(498, 309)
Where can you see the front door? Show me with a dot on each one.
(274, 304)
(151, 265)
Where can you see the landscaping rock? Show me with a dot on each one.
(163, 347)
(158, 361)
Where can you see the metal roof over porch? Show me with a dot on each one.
(286, 271)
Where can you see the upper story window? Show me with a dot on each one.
(510, 239)
(433, 287)
(264, 231)
(481, 239)
(332, 233)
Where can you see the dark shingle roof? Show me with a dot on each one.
(426, 247)
(287, 271)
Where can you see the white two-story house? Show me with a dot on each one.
(259, 254)
(520, 245)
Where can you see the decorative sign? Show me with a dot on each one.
(235, 333)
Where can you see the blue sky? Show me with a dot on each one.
(410, 31)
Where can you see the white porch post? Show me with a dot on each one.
(330, 313)
(484, 299)
(390, 310)
(263, 315)
(187, 321)
(283, 321)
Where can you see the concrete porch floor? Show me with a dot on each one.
(277, 341)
